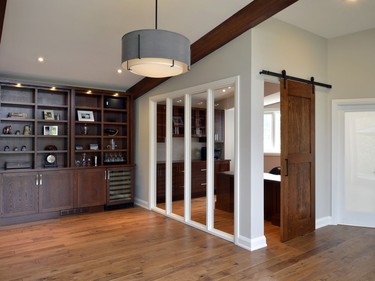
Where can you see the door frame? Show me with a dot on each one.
(339, 107)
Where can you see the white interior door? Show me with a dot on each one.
(353, 162)
(358, 204)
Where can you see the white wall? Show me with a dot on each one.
(351, 65)
(351, 62)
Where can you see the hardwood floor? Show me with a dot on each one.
(136, 244)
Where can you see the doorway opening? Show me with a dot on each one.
(272, 163)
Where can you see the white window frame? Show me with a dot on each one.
(276, 132)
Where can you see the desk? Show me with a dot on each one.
(272, 198)
(225, 191)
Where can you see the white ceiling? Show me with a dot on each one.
(81, 39)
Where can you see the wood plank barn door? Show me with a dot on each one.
(297, 159)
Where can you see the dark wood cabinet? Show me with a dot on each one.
(104, 139)
(56, 190)
(91, 187)
(30, 193)
(89, 134)
(198, 179)
(219, 133)
(161, 123)
(33, 119)
(19, 194)
(198, 123)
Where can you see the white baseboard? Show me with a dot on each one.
(252, 244)
(141, 203)
(319, 223)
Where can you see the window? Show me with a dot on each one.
(272, 136)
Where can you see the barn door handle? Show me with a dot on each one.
(286, 167)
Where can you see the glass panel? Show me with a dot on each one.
(161, 150)
(224, 159)
(178, 157)
(198, 156)
(358, 207)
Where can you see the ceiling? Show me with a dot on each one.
(81, 40)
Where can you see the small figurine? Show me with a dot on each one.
(7, 130)
(26, 130)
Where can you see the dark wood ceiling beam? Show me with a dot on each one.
(245, 19)
(3, 4)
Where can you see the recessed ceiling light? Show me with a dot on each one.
(224, 90)
(119, 71)
(179, 101)
(40, 59)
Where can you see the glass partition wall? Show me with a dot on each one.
(194, 177)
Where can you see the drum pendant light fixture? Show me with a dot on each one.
(155, 53)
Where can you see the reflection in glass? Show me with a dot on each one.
(161, 153)
(178, 127)
(198, 156)
(224, 159)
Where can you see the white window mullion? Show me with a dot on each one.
(210, 159)
(187, 162)
(168, 156)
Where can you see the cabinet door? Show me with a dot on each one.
(160, 183)
(19, 193)
(219, 125)
(161, 123)
(178, 181)
(91, 187)
(55, 190)
(199, 170)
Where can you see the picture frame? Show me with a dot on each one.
(178, 121)
(48, 115)
(50, 130)
(85, 115)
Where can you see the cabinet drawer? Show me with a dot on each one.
(199, 170)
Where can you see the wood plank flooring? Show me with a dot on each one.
(136, 244)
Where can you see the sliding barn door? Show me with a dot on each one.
(297, 159)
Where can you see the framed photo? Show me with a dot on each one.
(177, 121)
(85, 115)
(48, 115)
(50, 130)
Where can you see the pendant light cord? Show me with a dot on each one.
(156, 14)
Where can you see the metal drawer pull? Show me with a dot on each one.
(203, 170)
(41, 180)
(36, 179)
(203, 183)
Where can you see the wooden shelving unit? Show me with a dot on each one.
(51, 161)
